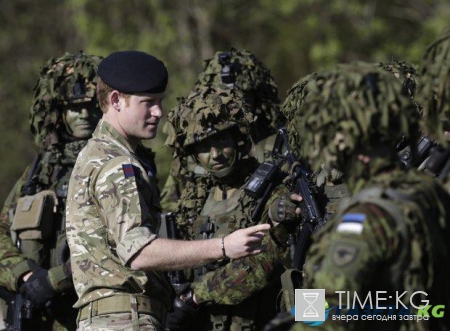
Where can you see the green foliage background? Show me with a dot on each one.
(292, 37)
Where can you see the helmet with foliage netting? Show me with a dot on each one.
(206, 112)
(240, 69)
(299, 91)
(349, 109)
(70, 79)
(434, 88)
(405, 71)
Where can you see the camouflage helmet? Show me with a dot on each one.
(405, 71)
(349, 108)
(291, 106)
(240, 69)
(434, 86)
(206, 112)
(69, 79)
(298, 92)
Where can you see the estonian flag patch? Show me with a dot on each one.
(128, 170)
(351, 223)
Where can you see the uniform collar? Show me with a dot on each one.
(105, 129)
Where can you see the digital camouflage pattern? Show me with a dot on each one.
(54, 163)
(101, 267)
(434, 89)
(206, 112)
(392, 235)
(339, 129)
(235, 294)
(203, 114)
(254, 80)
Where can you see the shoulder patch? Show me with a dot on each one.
(352, 223)
(344, 254)
(128, 170)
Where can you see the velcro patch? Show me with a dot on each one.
(352, 223)
(128, 170)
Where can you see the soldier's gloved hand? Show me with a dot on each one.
(37, 288)
(183, 313)
(285, 208)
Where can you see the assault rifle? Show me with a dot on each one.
(176, 277)
(427, 155)
(301, 181)
(413, 156)
(19, 309)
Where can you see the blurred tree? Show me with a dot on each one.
(31, 32)
(292, 37)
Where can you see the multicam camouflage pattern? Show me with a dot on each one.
(434, 88)
(109, 184)
(121, 321)
(57, 86)
(113, 211)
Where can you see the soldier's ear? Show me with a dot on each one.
(115, 100)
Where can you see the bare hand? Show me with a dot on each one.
(245, 242)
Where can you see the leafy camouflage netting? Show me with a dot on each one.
(347, 108)
(405, 71)
(243, 71)
(299, 91)
(434, 88)
(206, 112)
(66, 80)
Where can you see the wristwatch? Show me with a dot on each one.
(188, 298)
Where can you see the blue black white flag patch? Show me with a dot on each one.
(352, 223)
(128, 170)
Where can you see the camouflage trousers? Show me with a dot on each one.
(121, 321)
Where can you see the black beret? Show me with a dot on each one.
(133, 72)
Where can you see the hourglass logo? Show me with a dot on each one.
(310, 305)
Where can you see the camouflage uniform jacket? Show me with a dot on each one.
(232, 282)
(113, 211)
(392, 236)
(52, 172)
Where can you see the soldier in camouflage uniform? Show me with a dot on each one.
(331, 178)
(34, 256)
(393, 234)
(237, 69)
(433, 94)
(113, 210)
(216, 126)
(434, 87)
